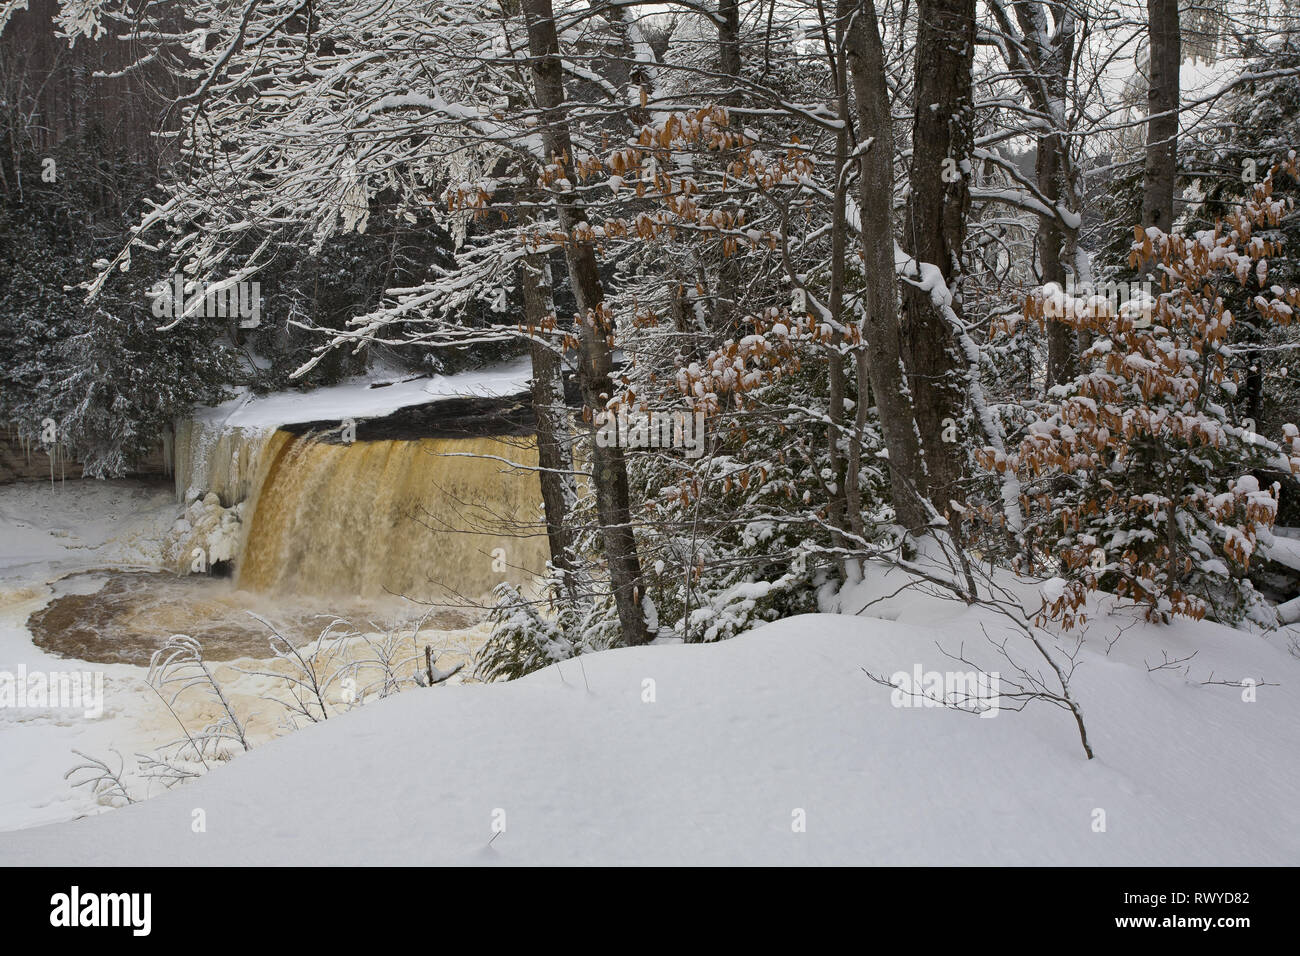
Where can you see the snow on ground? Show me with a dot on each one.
(71, 525)
(365, 398)
(47, 531)
(739, 737)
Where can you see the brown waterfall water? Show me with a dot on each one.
(429, 519)
(329, 530)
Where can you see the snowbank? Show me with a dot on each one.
(713, 762)
(50, 531)
(365, 398)
(53, 528)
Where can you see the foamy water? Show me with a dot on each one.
(428, 519)
(124, 617)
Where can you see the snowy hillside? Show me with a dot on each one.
(742, 735)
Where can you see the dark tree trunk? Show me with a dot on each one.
(1162, 112)
(729, 37)
(1041, 56)
(554, 437)
(609, 469)
(727, 308)
(1055, 247)
(882, 353)
(1061, 351)
(934, 231)
(837, 508)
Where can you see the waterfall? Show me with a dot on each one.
(311, 528)
(420, 518)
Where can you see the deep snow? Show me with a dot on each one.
(740, 736)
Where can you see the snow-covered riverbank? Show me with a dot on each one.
(50, 531)
(64, 550)
(774, 747)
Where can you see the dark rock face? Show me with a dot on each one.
(33, 464)
(446, 418)
(467, 417)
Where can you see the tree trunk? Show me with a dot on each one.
(934, 232)
(836, 508)
(609, 469)
(1162, 113)
(1041, 56)
(883, 351)
(1061, 359)
(727, 305)
(729, 39)
(1057, 246)
(554, 436)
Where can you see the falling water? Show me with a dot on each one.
(426, 518)
(333, 529)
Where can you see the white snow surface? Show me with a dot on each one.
(71, 525)
(47, 532)
(744, 733)
(365, 398)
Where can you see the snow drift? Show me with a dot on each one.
(713, 754)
